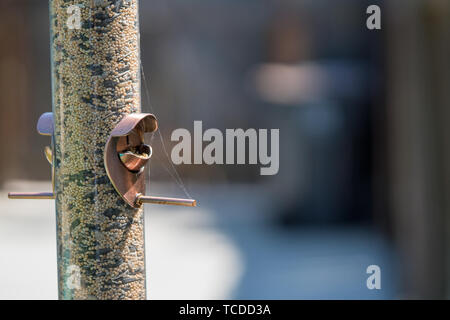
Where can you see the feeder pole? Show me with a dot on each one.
(95, 83)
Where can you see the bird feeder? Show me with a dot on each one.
(98, 155)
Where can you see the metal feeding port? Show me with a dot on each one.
(45, 127)
(126, 156)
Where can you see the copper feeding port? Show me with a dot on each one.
(126, 156)
(136, 158)
(45, 127)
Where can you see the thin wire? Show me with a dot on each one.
(180, 184)
(175, 175)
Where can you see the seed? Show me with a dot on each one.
(95, 83)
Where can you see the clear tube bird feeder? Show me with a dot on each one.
(98, 154)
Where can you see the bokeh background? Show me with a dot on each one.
(364, 151)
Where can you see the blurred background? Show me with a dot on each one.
(364, 160)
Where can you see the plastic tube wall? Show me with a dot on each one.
(95, 82)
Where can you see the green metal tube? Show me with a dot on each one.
(95, 82)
